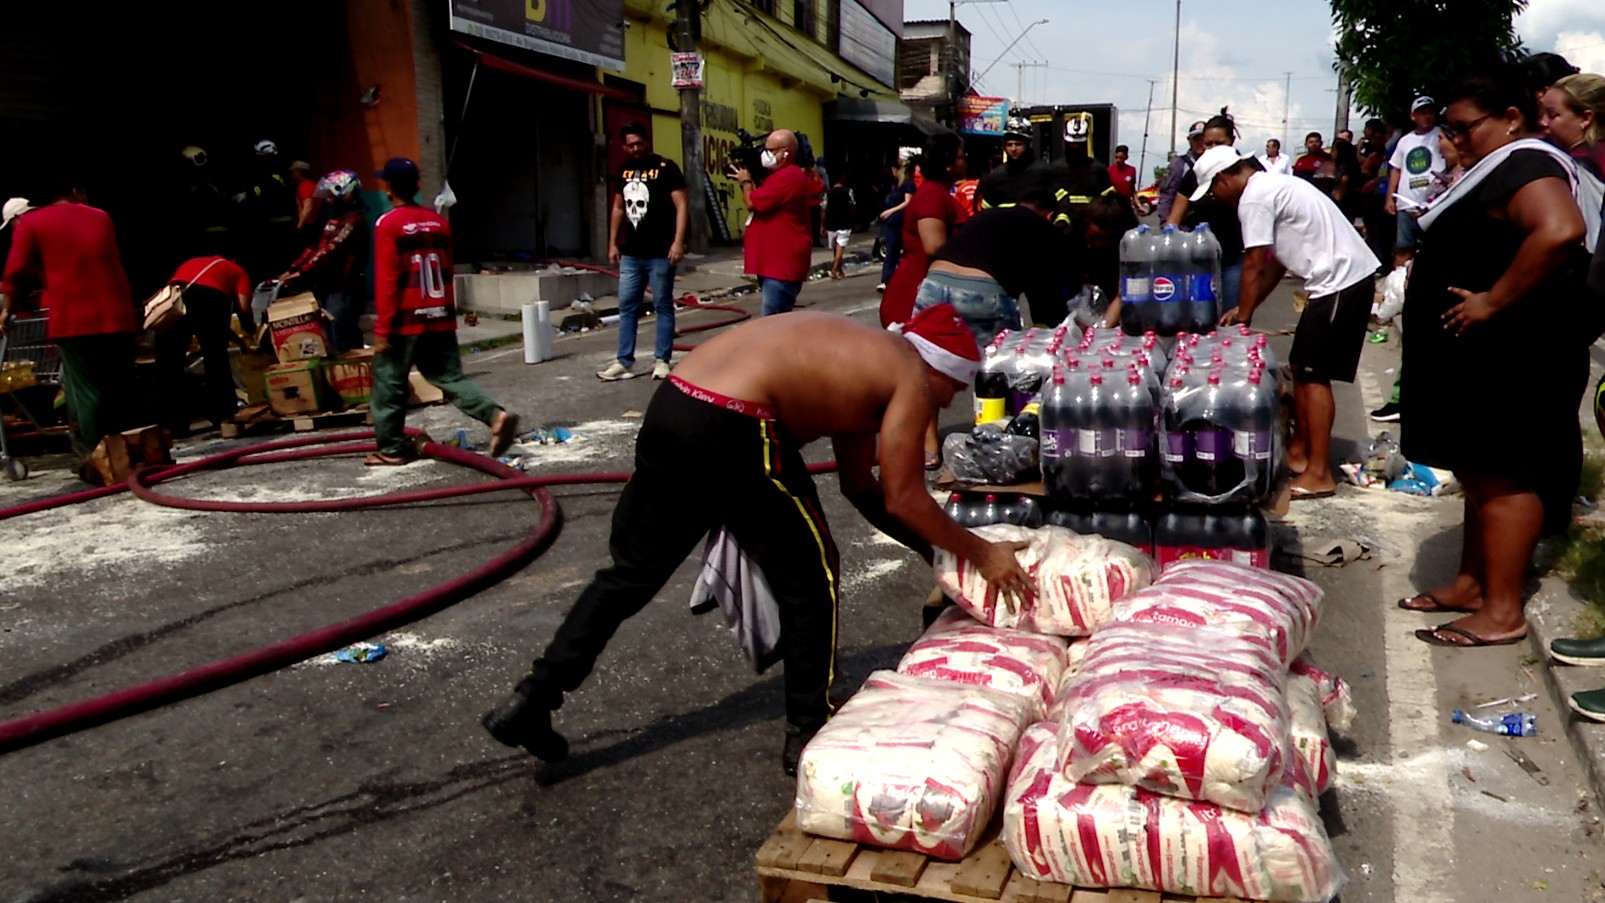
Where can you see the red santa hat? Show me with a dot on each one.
(944, 340)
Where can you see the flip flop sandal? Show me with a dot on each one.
(1436, 608)
(933, 461)
(1433, 637)
(502, 437)
(1299, 493)
(380, 459)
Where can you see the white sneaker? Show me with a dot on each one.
(614, 372)
(660, 370)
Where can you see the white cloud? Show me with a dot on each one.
(1543, 20)
(1584, 49)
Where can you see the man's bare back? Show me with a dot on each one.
(823, 374)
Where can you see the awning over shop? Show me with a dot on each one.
(502, 64)
(860, 109)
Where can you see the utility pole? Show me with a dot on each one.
(953, 62)
(1142, 158)
(1287, 96)
(1019, 78)
(687, 14)
(1340, 120)
(1175, 72)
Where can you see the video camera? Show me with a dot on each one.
(746, 155)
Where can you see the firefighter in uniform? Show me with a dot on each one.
(1019, 173)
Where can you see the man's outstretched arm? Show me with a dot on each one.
(855, 460)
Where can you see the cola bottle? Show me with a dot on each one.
(1028, 422)
(1137, 464)
(960, 509)
(1254, 433)
(1246, 537)
(1022, 511)
(1175, 443)
(1128, 526)
(1099, 449)
(1185, 532)
(1075, 518)
(1056, 437)
(1136, 280)
(989, 512)
(991, 388)
(1203, 285)
(1170, 266)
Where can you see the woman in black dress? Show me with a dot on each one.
(1492, 361)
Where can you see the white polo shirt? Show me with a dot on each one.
(1306, 232)
(1282, 165)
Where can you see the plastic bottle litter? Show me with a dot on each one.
(360, 653)
(459, 439)
(1516, 724)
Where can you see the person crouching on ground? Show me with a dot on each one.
(417, 321)
(720, 446)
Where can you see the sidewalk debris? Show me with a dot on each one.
(1476, 745)
(1516, 724)
(1508, 700)
(360, 653)
(1528, 765)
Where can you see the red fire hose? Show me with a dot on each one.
(28, 730)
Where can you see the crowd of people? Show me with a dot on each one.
(280, 232)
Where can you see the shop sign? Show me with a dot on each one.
(687, 70)
(982, 115)
(586, 31)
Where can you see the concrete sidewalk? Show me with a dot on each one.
(716, 274)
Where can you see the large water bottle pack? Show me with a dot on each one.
(1169, 280)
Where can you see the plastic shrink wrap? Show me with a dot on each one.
(1107, 835)
(1203, 593)
(1337, 703)
(1308, 734)
(1192, 712)
(1078, 580)
(958, 648)
(911, 764)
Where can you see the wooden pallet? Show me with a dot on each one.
(794, 867)
(258, 419)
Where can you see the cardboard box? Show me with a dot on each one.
(296, 388)
(296, 324)
(120, 454)
(350, 375)
(249, 368)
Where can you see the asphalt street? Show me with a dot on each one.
(346, 781)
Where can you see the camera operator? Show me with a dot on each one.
(778, 242)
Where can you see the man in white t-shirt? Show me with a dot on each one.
(1290, 226)
(1274, 160)
(1415, 158)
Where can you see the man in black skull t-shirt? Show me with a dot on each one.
(646, 239)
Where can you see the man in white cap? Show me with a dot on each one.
(13, 208)
(1415, 158)
(720, 446)
(1290, 226)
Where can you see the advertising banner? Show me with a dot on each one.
(586, 31)
(982, 115)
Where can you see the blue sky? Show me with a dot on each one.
(1232, 53)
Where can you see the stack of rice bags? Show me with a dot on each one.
(917, 759)
(1180, 756)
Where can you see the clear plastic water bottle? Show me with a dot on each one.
(1516, 724)
(1136, 281)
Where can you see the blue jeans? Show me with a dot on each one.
(986, 308)
(892, 244)
(634, 275)
(1231, 287)
(779, 296)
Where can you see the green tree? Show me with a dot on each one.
(1397, 49)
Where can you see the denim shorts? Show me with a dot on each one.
(984, 305)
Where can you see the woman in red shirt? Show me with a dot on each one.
(927, 221)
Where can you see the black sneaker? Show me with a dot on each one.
(796, 739)
(525, 720)
(1388, 413)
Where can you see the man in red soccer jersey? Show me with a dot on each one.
(417, 321)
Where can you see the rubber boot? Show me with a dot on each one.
(525, 720)
(796, 739)
(1590, 704)
(1587, 653)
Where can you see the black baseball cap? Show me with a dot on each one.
(398, 168)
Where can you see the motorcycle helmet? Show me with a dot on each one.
(194, 155)
(265, 148)
(1017, 127)
(339, 185)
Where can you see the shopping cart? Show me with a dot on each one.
(27, 358)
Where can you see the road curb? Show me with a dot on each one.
(1552, 614)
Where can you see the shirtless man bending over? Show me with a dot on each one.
(721, 444)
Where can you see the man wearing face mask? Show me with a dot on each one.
(779, 241)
